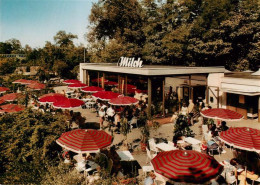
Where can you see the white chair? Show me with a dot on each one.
(149, 155)
(152, 145)
(147, 169)
(196, 148)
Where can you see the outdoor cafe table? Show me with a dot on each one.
(192, 141)
(125, 156)
(165, 147)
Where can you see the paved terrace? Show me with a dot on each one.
(164, 131)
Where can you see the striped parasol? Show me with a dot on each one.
(51, 98)
(12, 96)
(77, 86)
(92, 89)
(123, 101)
(242, 137)
(85, 140)
(105, 95)
(9, 108)
(3, 89)
(222, 114)
(186, 166)
(36, 86)
(68, 103)
(71, 81)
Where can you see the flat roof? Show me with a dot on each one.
(244, 75)
(151, 70)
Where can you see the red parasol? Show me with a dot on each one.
(106, 95)
(100, 80)
(11, 96)
(186, 166)
(1, 101)
(77, 85)
(52, 98)
(123, 100)
(4, 89)
(92, 89)
(51, 94)
(242, 137)
(24, 81)
(19, 81)
(84, 141)
(9, 108)
(71, 81)
(111, 83)
(222, 114)
(36, 86)
(68, 103)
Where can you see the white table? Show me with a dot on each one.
(192, 141)
(125, 156)
(165, 147)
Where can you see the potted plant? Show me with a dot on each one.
(145, 130)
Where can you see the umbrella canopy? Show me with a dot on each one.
(36, 86)
(186, 166)
(24, 81)
(77, 85)
(84, 141)
(105, 95)
(242, 137)
(222, 114)
(111, 83)
(19, 81)
(68, 103)
(52, 98)
(11, 96)
(1, 101)
(51, 94)
(9, 108)
(92, 89)
(123, 100)
(71, 81)
(4, 89)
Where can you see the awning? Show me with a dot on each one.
(240, 92)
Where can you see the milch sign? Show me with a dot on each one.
(130, 62)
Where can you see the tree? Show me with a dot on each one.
(5, 48)
(7, 65)
(64, 39)
(16, 46)
(28, 145)
(115, 24)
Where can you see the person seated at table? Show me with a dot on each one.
(242, 174)
(90, 179)
(81, 165)
(224, 126)
(150, 179)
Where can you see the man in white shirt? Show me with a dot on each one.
(111, 114)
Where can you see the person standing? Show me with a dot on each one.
(191, 111)
(101, 114)
(111, 114)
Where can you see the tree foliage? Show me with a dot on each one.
(28, 145)
(187, 32)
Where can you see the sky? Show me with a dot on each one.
(34, 22)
